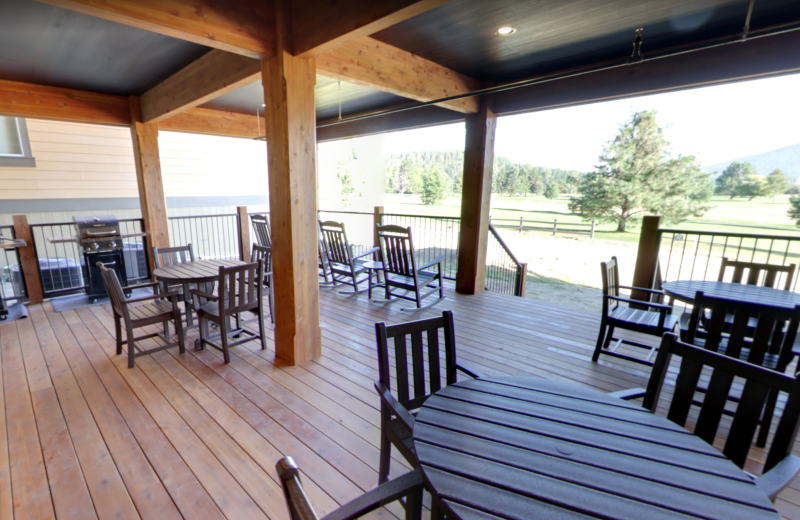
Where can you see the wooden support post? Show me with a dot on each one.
(475, 200)
(555, 226)
(647, 257)
(377, 218)
(291, 133)
(244, 233)
(27, 256)
(592, 232)
(520, 224)
(148, 177)
(522, 280)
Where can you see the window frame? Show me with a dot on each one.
(26, 160)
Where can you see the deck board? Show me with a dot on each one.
(188, 436)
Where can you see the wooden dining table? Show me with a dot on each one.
(523, 447)
(686, 290)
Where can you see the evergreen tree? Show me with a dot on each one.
(794, 208)
(752, 186)
(777, 184)
(434, 186)
(636, 175)
(345, 180)
(551, 191)
(733, 179)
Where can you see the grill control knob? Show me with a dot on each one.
(95, 246)
(112, 244)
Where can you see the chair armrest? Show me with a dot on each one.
(201, 294)
(398, 409)
(628, 394)
(141, 285)
(652, 291)
(369, 252)
(386, 493)
(470, 372)
(659, 306)
(435, 261)
(773, 481)
(157, 296)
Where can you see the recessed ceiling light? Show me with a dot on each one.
(505, 31)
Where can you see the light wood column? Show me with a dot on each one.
(148, 177)
(475, 200)
(291, 150)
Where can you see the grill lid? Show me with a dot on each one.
(97, 227)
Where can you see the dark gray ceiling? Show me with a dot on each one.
(559, 34)
(355, 99)
(50, 46)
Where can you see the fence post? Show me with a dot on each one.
(555, 226)
(520, 224)
(647, 257)
(27, 257)
(522, 280)
(244, 233)
(377, 218)
(592, 234)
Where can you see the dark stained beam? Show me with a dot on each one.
(241, 27)
(319, 26)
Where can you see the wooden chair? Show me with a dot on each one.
(758, 334)
(240, 289)
(264, 254)
(781, 465)
(654, 322)
(157, 310)
(762, 275)
(345, 266)
(177, 255)
(397, 414)
(261, 229)
(324, 268)
(402, 272)
(408, 486)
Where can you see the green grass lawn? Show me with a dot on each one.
(732, 216)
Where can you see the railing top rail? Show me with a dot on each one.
(434, 217)
(560, 223)
(182, 217)
(503, 243)
(724, 234)
(345, 212)
(52, 224)
(131, 220)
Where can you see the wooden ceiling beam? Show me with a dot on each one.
(215, 122)
(243, 27)
(380, 66)
(62, 104)
(209, 77)
(320, 26)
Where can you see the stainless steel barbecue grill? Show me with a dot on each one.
(100, 240)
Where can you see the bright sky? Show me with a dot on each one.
(715, 124)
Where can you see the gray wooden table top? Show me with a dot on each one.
(522, 448)
(193, 272)
(685, 290)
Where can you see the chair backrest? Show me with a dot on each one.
(334, 239)
(765, 275)
(610, 272)
(113, 288)
(769, 335)
(423, 333)
(262, 254)
(173, 255)
(240, 288)
(759, 381)
(397, 250)
(261, 228)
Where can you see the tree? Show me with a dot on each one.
(636, 175)
(345, 179)
(753, 186)
(434, 186)
(551, 191)
(794, 208)
(733, 178)
(777, 183)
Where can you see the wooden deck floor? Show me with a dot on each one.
(187, 436)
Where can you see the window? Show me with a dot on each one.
(15, 147)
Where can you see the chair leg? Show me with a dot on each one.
(263, 336)
(766, 419)
(386, 457)
(131, 348)
(600, 340)
(179, 329)
(223, 327)
(203, 329)
(414, 504)
(118, 330)
(436, 509)
(271, 306)
(609, 337)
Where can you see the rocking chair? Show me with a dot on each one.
(402, 272)
(344, 266)
(261, 228)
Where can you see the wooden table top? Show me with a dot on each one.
(685, 290)
(198, 271)
(522, 448)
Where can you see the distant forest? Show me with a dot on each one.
(406, 171)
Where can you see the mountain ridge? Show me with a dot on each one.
(786, 159)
